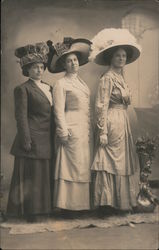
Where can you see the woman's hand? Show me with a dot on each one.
(27, 146)
(103, 140)
(64, 140)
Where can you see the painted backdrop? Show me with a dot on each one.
(30, 21)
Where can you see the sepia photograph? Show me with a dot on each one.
(79, 125)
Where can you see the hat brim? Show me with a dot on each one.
(80, 47)
(105, 55)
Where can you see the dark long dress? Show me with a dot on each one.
(31, 185)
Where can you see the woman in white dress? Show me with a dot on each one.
(73, 134)
(116, 163)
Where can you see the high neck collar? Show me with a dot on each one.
(36, 81)
(71, 75)
(116, 71)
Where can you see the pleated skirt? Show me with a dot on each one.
(30, 189)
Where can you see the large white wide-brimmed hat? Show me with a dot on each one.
(80, 47)
(108, 40)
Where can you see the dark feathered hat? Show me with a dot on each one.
(32, 53)
(80, 47)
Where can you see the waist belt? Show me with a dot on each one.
(117, 106)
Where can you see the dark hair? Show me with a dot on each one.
(25, 68)
(111, 52)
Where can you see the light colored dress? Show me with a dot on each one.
(73, 162)
(116, 165)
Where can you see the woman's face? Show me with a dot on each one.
(119, 58)
(71, 64)
(36, 71)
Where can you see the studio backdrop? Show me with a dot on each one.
(30, 21)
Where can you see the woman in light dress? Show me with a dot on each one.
(115, 165)
(73, 133)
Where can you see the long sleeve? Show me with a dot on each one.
(102, 103)
(59, 98)
(21, 115)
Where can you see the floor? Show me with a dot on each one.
(142, 236)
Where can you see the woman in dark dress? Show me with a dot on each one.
(30, 190)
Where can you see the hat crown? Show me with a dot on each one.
(38, 48)
(63, 47)
(113, 35)
(32, 53)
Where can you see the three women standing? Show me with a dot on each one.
(115, 164)
(73, 127)
(30, 190)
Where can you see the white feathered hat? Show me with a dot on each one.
(108, 40)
